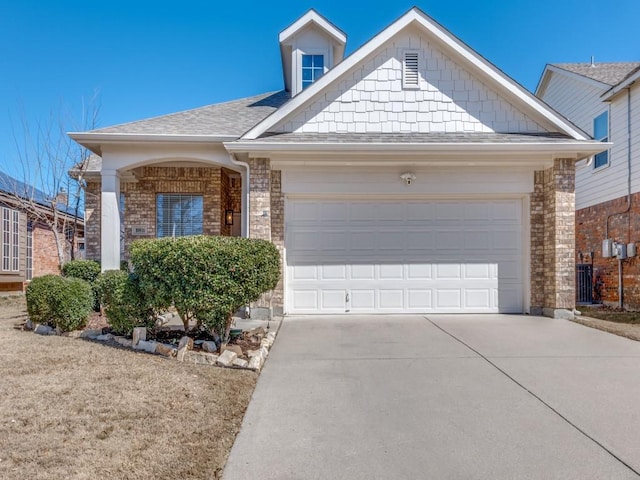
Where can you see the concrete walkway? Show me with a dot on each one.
(443, 397)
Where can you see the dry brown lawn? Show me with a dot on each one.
(74, 409)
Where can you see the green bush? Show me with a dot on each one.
(205, 278)
(123, 302)
(59, 301)
(87, 270)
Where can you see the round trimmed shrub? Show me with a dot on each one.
(206, 278)
(123, 302)
(59, 301)
(87, 270)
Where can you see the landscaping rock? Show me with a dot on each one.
(266, 343)
(124, 341)
(43, 329)
(186, 342)
(91, 333)
(210, 347)
(146, 346)
(139, 334)
(28, 325)
(200, 358)
(254, 353)
(105, 337)
(264, 352)
(234, 348)
(73, 334)
(166, 350)
(239, 362)
(227, 358)
(255, 363)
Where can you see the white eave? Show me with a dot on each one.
(315, 17)
(571, 149)
(612, 92)
(416, 16)
(93, 140)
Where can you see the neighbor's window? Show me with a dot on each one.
(312, 69)
(178, 215)
(29, 270)
(10, 235)
(601, 133)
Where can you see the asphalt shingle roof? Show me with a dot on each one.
(228, 119)
(609, 73)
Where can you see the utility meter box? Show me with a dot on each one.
(621, 251)
(631, 249)
(607, 248)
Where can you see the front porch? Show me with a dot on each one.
(159, 200)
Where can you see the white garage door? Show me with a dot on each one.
(454, 256)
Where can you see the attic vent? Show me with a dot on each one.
(410, 70)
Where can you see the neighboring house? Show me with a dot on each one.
(603, 99)
(28, 248)
(412, 176)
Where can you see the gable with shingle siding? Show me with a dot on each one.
(371, 98)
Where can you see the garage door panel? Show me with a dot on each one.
(419, 299)
(477, 298)
(334, 272)
(363, 300)
(421, 257)
(449, 299)
(419, 272)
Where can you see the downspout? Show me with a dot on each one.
(628, 208)
(245, 194)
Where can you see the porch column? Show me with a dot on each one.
(553, 239)
(110, 221)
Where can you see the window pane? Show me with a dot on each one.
(317, 73)
(307, 61)
(318, 61)
(179, 215)
(601, 159)
(307, 75)
(601, 126)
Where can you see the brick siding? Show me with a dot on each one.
(623, 228)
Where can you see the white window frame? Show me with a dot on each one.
(10, 239)
(298, 67)
(602, 139)
(407, 81)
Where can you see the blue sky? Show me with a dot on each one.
(148, 58)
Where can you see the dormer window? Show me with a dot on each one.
(312, 69)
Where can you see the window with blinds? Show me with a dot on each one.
(410, 70)
(179, 215)
(10, 235)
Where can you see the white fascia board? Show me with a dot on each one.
(315, 17)
(577, 150)
(94, 141)
(612, 92)
(440, 33)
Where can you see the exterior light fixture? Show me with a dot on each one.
(408, 177)
(228, 217)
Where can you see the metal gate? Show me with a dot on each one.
(584, 283)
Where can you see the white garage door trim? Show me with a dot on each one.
(405, 256)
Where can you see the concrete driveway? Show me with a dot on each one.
(442, 397)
